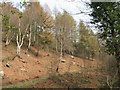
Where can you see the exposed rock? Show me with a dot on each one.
(72, 57)
(39, 70)
(24, 61)
(8, 65)
(1, 73)
(73, 63)
(78, 65)
(23, 69)
(38, 62)
(10, 82)
(82, 66)
(48, 54)
(36, 76)
(62, 60)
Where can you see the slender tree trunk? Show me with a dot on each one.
(8, 40)
(18, 50)
(34, 37)
(18, 46)
(61, 48)
(37, 53)
(56, 45)
(7, 35)
(29, 41)
(19, 40)
(61, 44)
(19, 30)
(58, 65)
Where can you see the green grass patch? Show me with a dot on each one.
(76, 71)
(42, 80)
(92, 68)
(25, 85)
(82, 70)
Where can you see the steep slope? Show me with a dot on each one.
(31, 67)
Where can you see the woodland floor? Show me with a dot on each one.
(82, 73)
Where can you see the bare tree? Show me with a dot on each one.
(64, 32)
(111, 81)
(29, 41)
(8, 22)
(20, 38)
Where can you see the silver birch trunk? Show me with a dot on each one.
(18, 50)
(56, 44)
(61, 49)
(61, 46)
(20, 39)
(34, 38)
(7, 36)
(8, 40)
(29, 41)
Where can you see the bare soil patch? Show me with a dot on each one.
(31, 67)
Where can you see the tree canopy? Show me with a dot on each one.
(106, 16)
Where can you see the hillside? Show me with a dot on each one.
(43, 47)
(31, 67)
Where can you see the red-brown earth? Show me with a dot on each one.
(31, 68)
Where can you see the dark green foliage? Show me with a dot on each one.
(107, 17)
(107, 14)
(87, 46)
(5, 19)
(23, 4)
